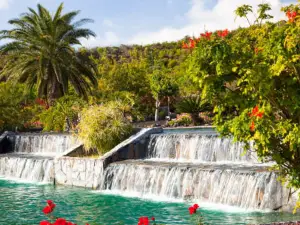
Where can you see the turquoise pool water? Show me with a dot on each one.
(21, 204)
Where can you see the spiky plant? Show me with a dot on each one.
(40, 52)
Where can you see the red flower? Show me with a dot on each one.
(223, 33)
(185, 45)
(255, 112)
(192, 43)
(60, 221)
(153, 218)
(143, 221)
(291, 15)
(45, 222)
(252, 126)
(192, 210)
(47, 209)
(196, 206)
(206, 35)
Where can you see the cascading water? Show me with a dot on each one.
(196, 166)
(32, 158)
(194, 147)
(49, 144)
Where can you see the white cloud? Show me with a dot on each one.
(107, 23)
(108, 39)
(199, 18)
(4, 4)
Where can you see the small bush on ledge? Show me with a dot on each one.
(104, 126)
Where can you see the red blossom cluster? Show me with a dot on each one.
(207, 35)
(291, 15)
(48, 209)
(191, 44)
(256, 113)
(193, 209)
(144, 220)
(42, 102)
(223, 33)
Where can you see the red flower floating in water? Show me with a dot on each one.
(153, 218)
(291, 15)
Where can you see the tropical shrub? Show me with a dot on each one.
(15, 110)
(40, 52)
(103, 126)
(251, 76)
(193, 105)
(62, 115)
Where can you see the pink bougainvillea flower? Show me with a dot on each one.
(45, 222)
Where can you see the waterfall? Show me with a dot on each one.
(44, 143)
(33, 156)
(24, 168)
(196, 147)
(202, 167)
(246, 188)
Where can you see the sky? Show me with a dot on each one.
(145, 21)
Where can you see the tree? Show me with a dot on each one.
(252, 78)
(40, 52)
(161, 85)
(13, 110)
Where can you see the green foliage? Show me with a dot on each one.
(13, 110)
(192, 104)
(143, 72)
(244, 10)
(104, 126)
(182, 121)
(65, 110)
(256, 66)
(40, 53)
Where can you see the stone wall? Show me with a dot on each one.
(81, 172)
(88, 172)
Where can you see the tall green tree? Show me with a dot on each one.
(41, 52)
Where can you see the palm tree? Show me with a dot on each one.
(40, 52)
